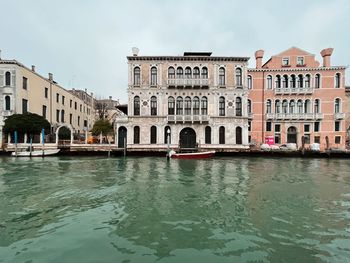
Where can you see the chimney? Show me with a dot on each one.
(326, 54)
(50, 76)
(110, 97)
(33, 68)
(258, 57)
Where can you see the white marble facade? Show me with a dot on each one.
(195, 95)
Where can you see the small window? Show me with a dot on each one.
(153, 135)
(153, 106)
(221, 76)
(25, 83)
(238, 106)
(239, 77)
(307, 128)
(57, 97)
(24, 106)
(317, 139)
(70, 103)
(337, 139)
(81, 109)
(268, 126)
(75, 105)
(250, 82)
(137, 76)
(171, 106)
(317, 126)
(204, 73)
(196, 73)
(249, 126)
(137, 105)
(44, 111)
(277, 138)
(221, 106)
(153, 76)
(179, 105)
(269, 82)
(195, 106)
(337, 80)
(136, 134)
(70, 118)
(317, 81)
(187, 106)
(78, 120)
(337, 126)
(7, 79)
(57, 115)
(204, 106)
(7, 103)
(46, 93)
(62, 115)
(277, 127)
(285, 62)
(307, 138)
(300, 61)
(63, 100)
(171, 73)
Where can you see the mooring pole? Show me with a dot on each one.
(124, 146)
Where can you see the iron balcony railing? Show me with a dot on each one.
(294, 116)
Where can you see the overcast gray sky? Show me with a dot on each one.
(84, 43)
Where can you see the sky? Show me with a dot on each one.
(84, 43)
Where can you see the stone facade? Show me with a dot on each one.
(294, 97)
(197, 99)
(24, 90)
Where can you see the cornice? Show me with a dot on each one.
(186, 58)
(296, 69)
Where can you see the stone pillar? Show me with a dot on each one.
(71, 136)
(25, 138)
(8, 138)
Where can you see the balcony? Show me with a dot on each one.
(286, 91)
(7, 113)
(294, 116)
(339, 116)
(188, 82)
(188, 118)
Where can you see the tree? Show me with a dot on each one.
(29, 123)
(102, 126)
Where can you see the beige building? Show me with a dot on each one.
(24, 90)
(194, 99)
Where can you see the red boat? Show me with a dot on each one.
(197, 155)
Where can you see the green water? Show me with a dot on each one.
(151, 210)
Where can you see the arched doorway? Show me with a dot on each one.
(63, 135)
(187, 138)
(122, 133)
(292, 135)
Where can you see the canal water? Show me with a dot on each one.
(149, 210)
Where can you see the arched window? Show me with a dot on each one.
(188, 73)
(153, 76)
(317, 106)
(292, 106)
(250, 82)
(277, 106)
(221, 106)
(307, 81)
(136, 134)
(171, 106)
(268, 106)
(222, 135)
(300, 106)
(207, 135)
(204, 106)
(249, 106)
(179, 73)
(221, 76)
(285, 81)
(238, 77)
(137, 76)
(171, 73)
(278, 82)
(167, 135)
(238, 106)
(179, 106)
(7, 103)
(196, 73)
(204, 73)
(300, 81)
(285, 106)
(238, 135)
(188, 106)
(7, 79)
(136, 105)
(307, 106)
(292, 81)
(317, 81)
(153, 105)
(337, 80)
(153, 135)
(195, 106)
(269, 82)
(337, 105)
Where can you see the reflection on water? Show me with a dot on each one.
(148, 209)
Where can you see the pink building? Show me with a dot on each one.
(293, 97)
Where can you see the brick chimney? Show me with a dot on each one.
(258, 57)
(326, 54)
(33, 68)
(50, 76)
